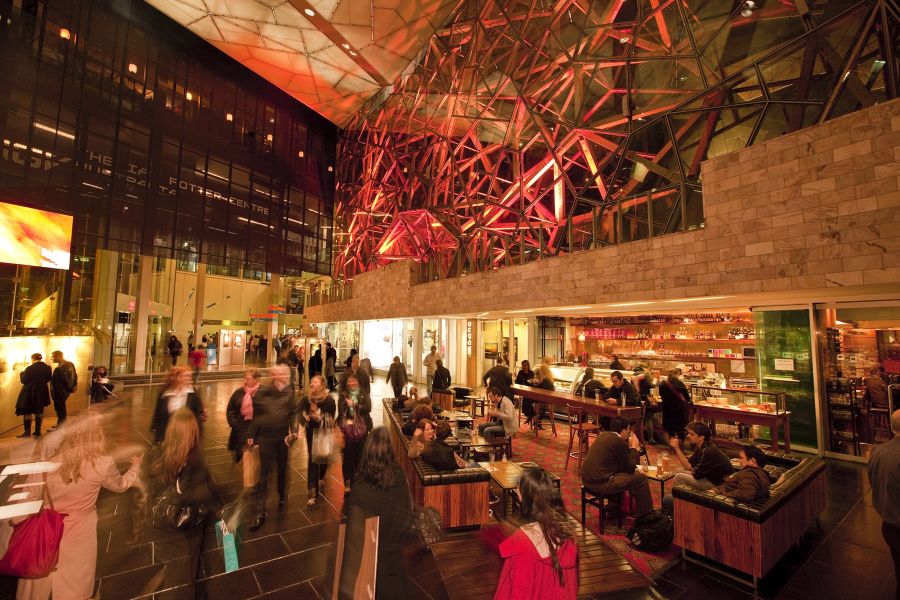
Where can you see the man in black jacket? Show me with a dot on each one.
(708, 466)
(622, 391)
(609, 467)
(274, 429)
(441, 379)
(63, 384)
(499, 377)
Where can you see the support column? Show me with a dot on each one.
(199, 302)
(272, 326)
(510, 356)
(142, 313)
(418, 352)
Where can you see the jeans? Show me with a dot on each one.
(352, 453)
(668, 502)
(891, 534)
(59, 405)
(429, 378)
(489, 431)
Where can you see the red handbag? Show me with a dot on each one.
(33, 549)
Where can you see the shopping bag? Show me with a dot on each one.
(228, 542)
(324, 444)
(250, 461)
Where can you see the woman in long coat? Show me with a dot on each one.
(239, 413)
(34, 395)
(85, 468)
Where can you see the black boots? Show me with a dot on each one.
(27, 432)
(37, 425)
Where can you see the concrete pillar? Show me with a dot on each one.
(272, 326)
(418, 352)
(199, 302)
(141, 320)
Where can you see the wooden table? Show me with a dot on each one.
(506, 475)
(651, 473)
(748, 417)
(476, 440)
(474, 402)
(633, 414)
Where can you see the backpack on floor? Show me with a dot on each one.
(652, 532)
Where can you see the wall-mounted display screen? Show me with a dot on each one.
(36, 238)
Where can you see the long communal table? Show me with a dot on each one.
(633, 414)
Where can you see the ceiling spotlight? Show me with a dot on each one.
(330, 168)
(65, 34)
(624, 39)
(229, 117)
(345, 46)
(301, 154)
(352, 53)
(189, 96)
(746, 12)
(132, 68)
(269, 138)
(750, 4)
(309, 12)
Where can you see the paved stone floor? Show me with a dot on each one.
(293, 554)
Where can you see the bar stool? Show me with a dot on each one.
(581, 428)
(880, 422)
(599, 500)
(549, 416)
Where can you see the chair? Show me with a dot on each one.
(880, 423)
(547, 415)
(598, 500)
(581, 428)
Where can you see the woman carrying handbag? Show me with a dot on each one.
(316, 409)
(181, 487)
(85, 467)
(355, 422)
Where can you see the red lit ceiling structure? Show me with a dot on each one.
(533, 128)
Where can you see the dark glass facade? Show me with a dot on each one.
(158, 144)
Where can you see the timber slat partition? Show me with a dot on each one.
(470, 570)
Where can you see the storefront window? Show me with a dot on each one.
(860, 350)
(784, 361)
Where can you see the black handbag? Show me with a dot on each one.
(173, 512)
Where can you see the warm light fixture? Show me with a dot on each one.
(301, 154)
(630, 304)
(353, 53)
(58, 132)
(574, 308)
(309, 12)
(581, 337)
(330, 168)
(697, 299)
(65, 34)
(269, 138)
(132, 68)
(345, 46)
(189, 96)
(519, 312)
(229, 117)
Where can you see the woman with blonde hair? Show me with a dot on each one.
(178, 461)
(85, 467)
(179, 393)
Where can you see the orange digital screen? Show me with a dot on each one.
(36, 238)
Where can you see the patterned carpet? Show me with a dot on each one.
(550, 452)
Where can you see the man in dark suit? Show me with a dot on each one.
(34, 395)
(441, 380)
(499, 377)
(63, 384)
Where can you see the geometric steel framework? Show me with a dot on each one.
(534, 128)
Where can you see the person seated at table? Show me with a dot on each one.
(502, 414)
(588, 386)
(615, 363)
(412, 398)
(423, 435)
(621, 389)
(538, 410)
(525, 374)
(421, 411)
(609, 467)
(751, 483)
(439, 454)
(540, 559)
(707, 467)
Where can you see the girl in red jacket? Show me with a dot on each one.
(540, 560)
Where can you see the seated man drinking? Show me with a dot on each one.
(610, 464)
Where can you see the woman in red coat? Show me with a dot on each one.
(540, 560)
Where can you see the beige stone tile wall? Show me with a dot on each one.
(815, 209)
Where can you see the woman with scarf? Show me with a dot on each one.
(240, 413)
(315, 406)
(355, 422)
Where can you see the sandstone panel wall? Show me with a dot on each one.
(815, 209)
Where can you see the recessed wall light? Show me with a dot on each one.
(345, 46)
(229, 117)
(352, 53)
(189, 96)
(65, 34)
(330, 168)
(269, 137)
(132, 68)
(309, 12)
(301, 154)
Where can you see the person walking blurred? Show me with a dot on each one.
(174, 348)
(178, 393)
(34, 395)
(63, 383)
(328, 366)
(315, 406)
(301, 366)
(273, 429)
(362, 377)
(396, 376)
(355, 422)
(239, 413)
(178, 461)
(380, 490)
(85, 468)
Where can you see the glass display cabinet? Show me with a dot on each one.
(739, 399)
